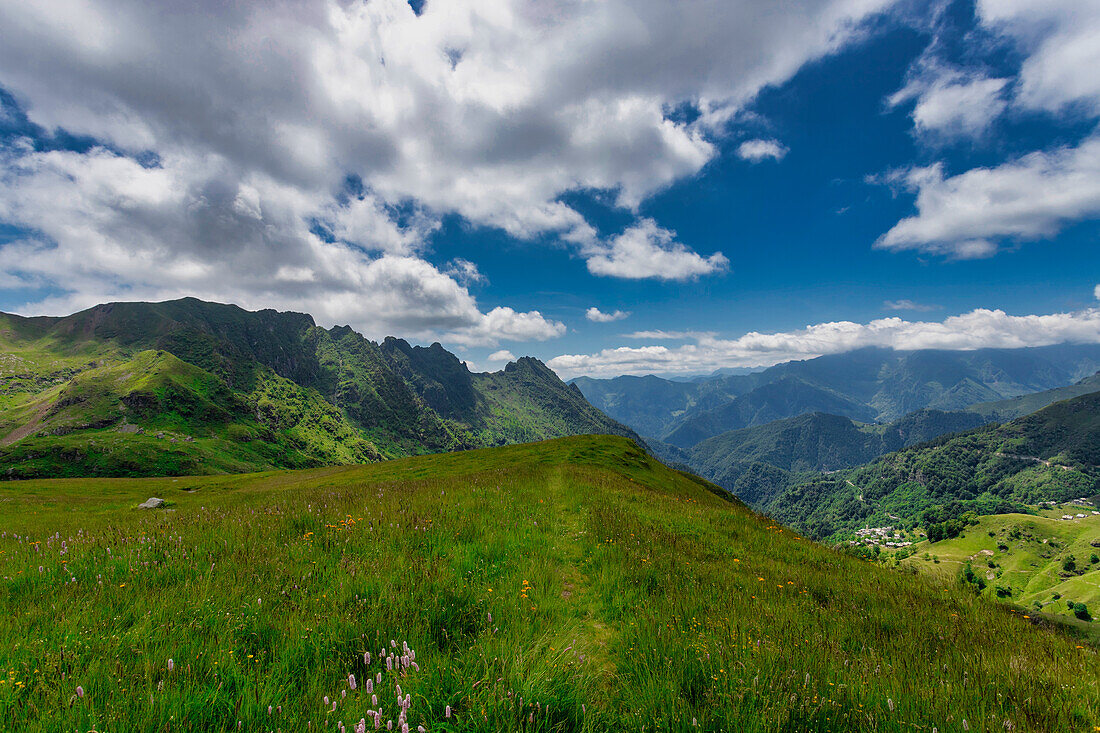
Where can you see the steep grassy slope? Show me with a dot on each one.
(1051, 455)
(568, 585)
(246, 391)
(758, 463)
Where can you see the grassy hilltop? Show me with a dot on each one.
(570, 585)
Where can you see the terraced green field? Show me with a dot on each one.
(570, 585)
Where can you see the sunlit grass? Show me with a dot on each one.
(568, 585)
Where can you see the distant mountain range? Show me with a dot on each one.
(188, 386)
(759, 434)
(1050, 455)
(869, 385)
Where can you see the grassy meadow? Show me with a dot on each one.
(1038, 562)
(569, 585)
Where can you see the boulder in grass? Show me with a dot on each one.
(151, 503)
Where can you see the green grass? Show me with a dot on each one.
(570, 585)
(1024, 554)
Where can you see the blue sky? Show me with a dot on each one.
(759, 187)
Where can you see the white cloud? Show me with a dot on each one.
(971, 214)
(659, 335)
(758, 150)
(646, 250)
(465, 272)
(981, 328)
(1058, 38)
(908, 305)
(1096, 292)
(595, 315)
(261, 112)
(955, 104)
(967, 215)
(107, 228)
(502, 355)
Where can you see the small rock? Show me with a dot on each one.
(151, 503)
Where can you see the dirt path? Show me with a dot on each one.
(25, 430)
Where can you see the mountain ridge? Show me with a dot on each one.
(305, 395)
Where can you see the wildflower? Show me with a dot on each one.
(343, 693)
(269, 709)
(326, 699)
(369, 686)
(378, 678)
(171, 664)
(446, 712)
(79, 691)
(366, 657)
(351, 681)
(374, 699)
(966, 726)
(389, 725)
(890, 704)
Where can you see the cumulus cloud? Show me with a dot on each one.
(1058, 39)
(967, 215)
(659, 335)
(502, 355)
(1096, 292)
(595, 315)
(908, 305)
(981, 328)
(953, 103)
(648, 251)
(973, 213)
(758, 150)
(108, 228)
(490, 111)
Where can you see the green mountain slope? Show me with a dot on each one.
(1040, 563)
(1004, 410)
(872, 384)
(240, 390)
(758, 463)
(572, 585)
(1051, 455)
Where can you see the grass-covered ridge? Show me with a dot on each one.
(574, 584)
(234, 390)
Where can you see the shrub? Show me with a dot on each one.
(1094, 558)
(1069, 564)
(1081, 611)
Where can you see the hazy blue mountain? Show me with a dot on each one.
(1004, 410)
(871, 384)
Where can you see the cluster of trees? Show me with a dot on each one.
(946, 521)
